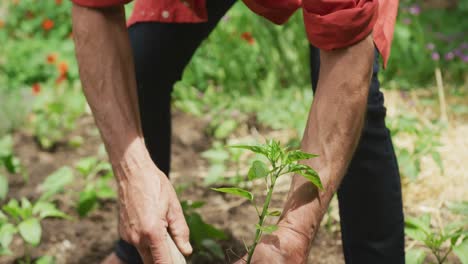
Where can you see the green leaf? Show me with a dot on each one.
(13, 209)
(297, 155)
(6, 146)
(461, 251)
(106, 192)
(274, 150)
(31, 231)
(415, 256)
(196, 204)
(213, 247)
(308, 173)
(256, 149)
(86, 202)
(215, 174)
(438, 160)
(104, 167)
(235, 191)
(5, 252)
(257, 170)
(199, 230)
(3, 187)
(56, 182)
(216, 155)
(267, 229)
(45, 260)
(86, 165)
(12, 164)
(460, 208)
(417, 228)
(46, 209)
(225, 129)
(274, 213)
(7, 231)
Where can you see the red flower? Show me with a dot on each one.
(36, 88)
(2, 24)
(247, 36)
(58, 2)
(62, 68)
(51, 58)
(47, 24)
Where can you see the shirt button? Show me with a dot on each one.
(165, 14)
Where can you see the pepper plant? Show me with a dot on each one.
(281, 161)
(440, 242)
(24, 218)
(98, 176)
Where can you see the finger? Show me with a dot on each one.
(160, 251)
(178, 228)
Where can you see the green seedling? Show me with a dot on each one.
(55, 183)
(282, 161)
(220, 159)
(9, 163)
(451, 238)
(98, 176)
(203, 236)
(24, 218)
(427, 142)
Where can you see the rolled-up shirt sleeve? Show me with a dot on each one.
(100, 3)
(277, 11)
(333, 24)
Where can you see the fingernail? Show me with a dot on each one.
(188, 246)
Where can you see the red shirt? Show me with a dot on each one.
(330, 24)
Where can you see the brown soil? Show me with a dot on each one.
(90, 239)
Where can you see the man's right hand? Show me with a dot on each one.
(148, 203)
(148, 207)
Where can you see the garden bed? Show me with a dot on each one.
(90, 239)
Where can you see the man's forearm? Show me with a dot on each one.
(333, 131)
(107, 73)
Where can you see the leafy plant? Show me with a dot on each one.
(220, 159)
(426, 143)
(55, 183)
(203, 236)
(24, 218)
(282, 161)
(97, 175)
(10, 163)
(55, 114)
(451, 238)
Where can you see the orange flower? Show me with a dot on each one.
(15, 2)
(36, 88)
(2, 24)
(51, 58)
(47, 24)
(58, 2)
(60, 79)
(62, 68)
(247, 36)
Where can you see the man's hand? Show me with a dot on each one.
(148, 203)
(149, 207)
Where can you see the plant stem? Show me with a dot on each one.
(258, 233)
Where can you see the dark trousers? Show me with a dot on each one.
(369, 197)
